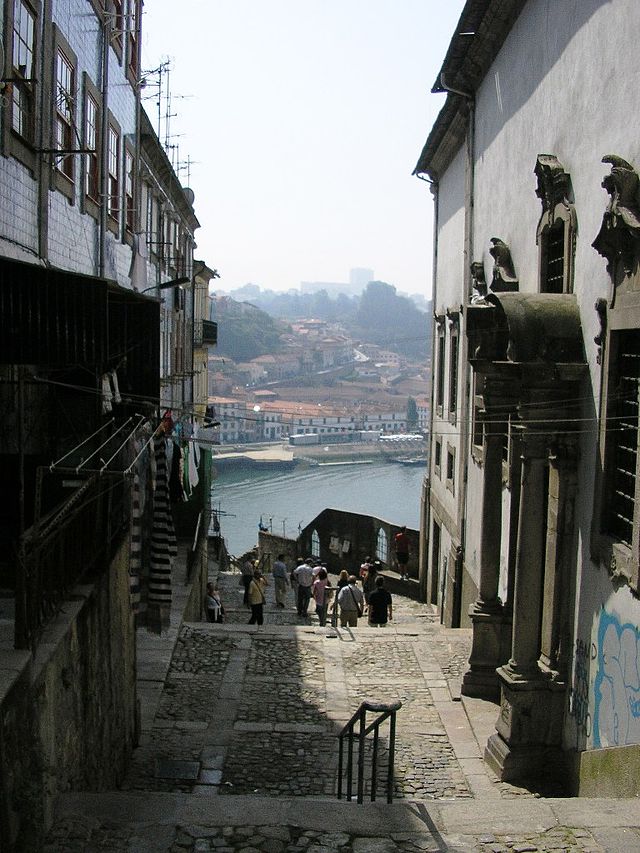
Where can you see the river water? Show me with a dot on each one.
(289, 500)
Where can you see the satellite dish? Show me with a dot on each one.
(189, 195)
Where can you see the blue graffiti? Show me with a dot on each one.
(617, 683)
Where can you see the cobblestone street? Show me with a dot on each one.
(245, 724)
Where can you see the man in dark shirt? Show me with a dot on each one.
(380, 608)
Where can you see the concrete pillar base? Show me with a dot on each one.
(490, 649)
(527, 744)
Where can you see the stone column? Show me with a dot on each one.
(556, 608)
(481, 680)
(530, 720)
(530, 555)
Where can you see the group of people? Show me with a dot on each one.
(352, 598)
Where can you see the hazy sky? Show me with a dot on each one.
(305, 119)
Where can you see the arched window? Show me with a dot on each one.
(557, 228)
(315, 544)
(381, 546)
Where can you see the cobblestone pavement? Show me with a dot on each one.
(258, 713)
(254, 712)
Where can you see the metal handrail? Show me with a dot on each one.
(384, 710)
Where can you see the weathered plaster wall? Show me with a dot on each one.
(558, 87)
(449, 295)
(68, 721)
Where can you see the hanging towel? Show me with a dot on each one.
(163, 537)
(107, 396)
(194, 479)
(135, 556)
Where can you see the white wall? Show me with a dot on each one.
(565, 83)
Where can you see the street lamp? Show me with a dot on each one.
(168, 285)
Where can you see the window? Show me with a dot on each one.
(315, 544)
(440, 367)
(153, 212)
(117, 24)
(477, 431)
(622, 437)
(453, 371)
(382, 546)
(133, 37)
(451, 467)
(66, 137)
(557, 227)
(23, 71)
(129, 184)
(113, 167)
(437, 456)
(65, 103)
(92, 144)
(552, 259)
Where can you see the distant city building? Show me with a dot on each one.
(360, 277)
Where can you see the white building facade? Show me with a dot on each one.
(531, 530)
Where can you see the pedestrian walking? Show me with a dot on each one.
(401, 543)
(380, 605)
(213, 604)
(304, 577)
(321, 593)
(351, 602)
(247, 576)
(343, 580)
(369, 579)
(280, 580)
(257, 598)
(293, 580)
(365, 566)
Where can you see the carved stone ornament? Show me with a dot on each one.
(504, 276)
(619, 235)
(601, 311)
(478, 282)
(554, 184)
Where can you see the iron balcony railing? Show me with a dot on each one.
(78, 538)
(205, 333)
(349, 735)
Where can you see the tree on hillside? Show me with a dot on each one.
(245, 332)
(392, 321)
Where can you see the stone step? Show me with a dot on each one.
(154, 823)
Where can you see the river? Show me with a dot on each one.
(289, 500)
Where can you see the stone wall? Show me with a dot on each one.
(337, 529)
(270, 545)
(68, 715)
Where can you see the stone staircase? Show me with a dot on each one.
(238, 751)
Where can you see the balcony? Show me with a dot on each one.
(205, 333)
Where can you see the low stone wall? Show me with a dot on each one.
(68, 715)
(270, 545)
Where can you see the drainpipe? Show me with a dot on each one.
(104, 142)
(44, 161)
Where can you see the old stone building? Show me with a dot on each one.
(86, 311)
(530, 531)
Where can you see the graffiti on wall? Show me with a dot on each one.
(616, 699)
(579, 690)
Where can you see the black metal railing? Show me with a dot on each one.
(78, 538)
(349, 734)
(205, 333)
